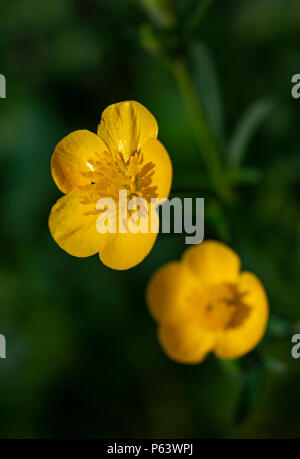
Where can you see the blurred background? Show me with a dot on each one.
(82, 355)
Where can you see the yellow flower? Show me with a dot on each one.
(124, 155)
(204, 303)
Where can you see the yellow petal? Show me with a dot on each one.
(70, 164)
(124, 251)
(73, 226)
(186, 344)
(238, 341)
(167, 294)
(213, 262)
(154, 152)
(126, 126)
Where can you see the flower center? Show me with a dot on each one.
(113, 173)
(221, 307)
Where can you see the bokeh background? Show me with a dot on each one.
(82, 355)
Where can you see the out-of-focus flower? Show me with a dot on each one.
(124, 155)
(203, 303)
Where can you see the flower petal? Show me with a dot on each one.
(125, 250)
(154, 152)
(213, 262)
(73, 226)
(186, 344)
(238, 341)
(167, 294)
(126, 126)
(70, 162)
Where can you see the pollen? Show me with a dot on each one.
(220, 307)
(112, 173)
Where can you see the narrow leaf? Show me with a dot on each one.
(206, 85)
(251, 388)
(246, 128)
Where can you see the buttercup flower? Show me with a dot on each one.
(124, 155)
(203, 303)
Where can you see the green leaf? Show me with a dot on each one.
(206, 85)
(250, 121)
(252, 383)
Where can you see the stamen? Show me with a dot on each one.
(112, 173)
(220, 306)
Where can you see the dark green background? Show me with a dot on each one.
(82, 355)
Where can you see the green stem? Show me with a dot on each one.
(203, 135)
